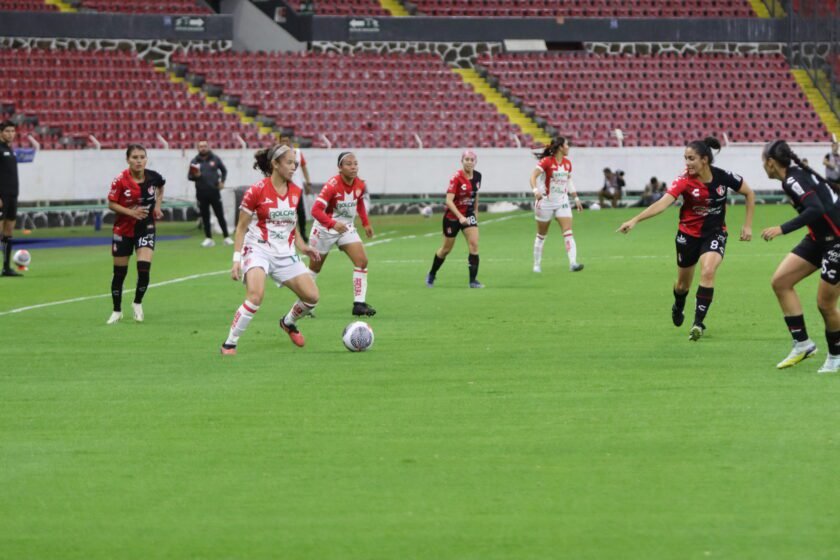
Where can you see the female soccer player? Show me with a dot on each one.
(461, 215)
(334, 211)
(818, 209)
(702, 230)
(552, 199)
(263, 246)
(135, 198)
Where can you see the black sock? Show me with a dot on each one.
(117, 286)
(473, 262)
(679, 299)
(833, 339)
(436, 264)
(7, 252)
(796, 326)
(143, 268)
(703, 302)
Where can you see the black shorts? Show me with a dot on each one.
(824, 255)
(10, 205)
(452, 227)
(689, 248)
(144, 238)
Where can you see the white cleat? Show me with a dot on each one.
(537, 268)
(208, 243)
(114, 318)
(831, 365)
(228, 241)
(801, 350)
(138, 312)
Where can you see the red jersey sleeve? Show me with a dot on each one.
(545, 164)
(251, 200)
(454, 183)
(319, 208)
(678, 186)
(116, 190)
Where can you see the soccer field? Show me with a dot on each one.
(552, 415)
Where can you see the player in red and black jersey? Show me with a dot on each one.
(461, 215)
(135, 198)
(702, 231)
(818, 209)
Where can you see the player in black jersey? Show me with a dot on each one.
(818, 209)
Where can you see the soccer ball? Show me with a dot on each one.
(22, 259)
(357, 336)
(426, 211)
(594, 206)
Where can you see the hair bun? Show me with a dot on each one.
(712, 142)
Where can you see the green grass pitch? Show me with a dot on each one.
(556, 415)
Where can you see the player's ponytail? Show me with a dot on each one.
(551, 149)
(780, 151)
(264, 157)
(704, 147)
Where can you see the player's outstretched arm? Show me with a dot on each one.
(654, 209)
(749, 195)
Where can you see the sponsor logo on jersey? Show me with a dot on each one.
(269, 201)
(682, 240)
(277, 215)
(127, 192)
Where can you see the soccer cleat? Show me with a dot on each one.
(800, 351)
(677, 315)
(114, 318)
(476, 284)
(831, 365)
(696, 332)
(208, 243)
(228, 241)
(10, 272)
(537, 268)
(430, 281)
(293, 332)
(228, 349)
(138, 312)
(361, 309)
(576, 267)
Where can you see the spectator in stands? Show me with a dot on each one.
(301, 179)
(8, 192)
(653, 191)
(832, 166)
(611, 190)
(209, 173)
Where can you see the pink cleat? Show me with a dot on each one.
(293, 333)
(228, 350)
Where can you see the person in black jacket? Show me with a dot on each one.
(818, 209)
(8, 193)
(209, 174)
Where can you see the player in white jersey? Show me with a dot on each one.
(263, 246)
(335, 211)
(551, 183)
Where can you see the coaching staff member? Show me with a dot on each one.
(209, 174)
(8, 192)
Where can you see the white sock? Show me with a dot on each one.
(241, 320)
(571, 247)
(298, 310)
(539, 241)
(359, 284)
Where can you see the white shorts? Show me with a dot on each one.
(544, 210)
(280, 269)
(323, 239)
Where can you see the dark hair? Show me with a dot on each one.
(552, 148)
(607, 170)
(704, 147)
(6, 124)
(132, 147)
(654, 180)
(780, 151)
(262, 163)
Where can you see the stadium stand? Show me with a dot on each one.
(26, 6)
(654, 100)
(65, 96)
(187, 7)
(585, 8)
(340, 7)
(362, 100)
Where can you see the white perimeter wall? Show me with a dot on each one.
(87, 174)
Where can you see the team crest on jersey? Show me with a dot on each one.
(721, 190)
(150, 190)
(358, 193)
(294, 201)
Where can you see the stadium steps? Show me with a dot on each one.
(822, 108)
(61, 5)
(503, 104)
(394, 7)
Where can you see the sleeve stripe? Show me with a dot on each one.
(319, 199)
(247, 211)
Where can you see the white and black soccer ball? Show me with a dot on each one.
(357, 336)
(22, 258)
(594, 206)
(426, 211)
